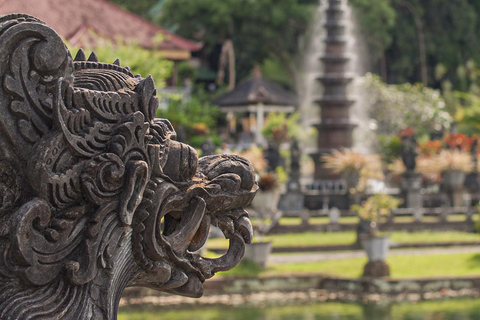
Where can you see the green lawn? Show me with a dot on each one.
(307, 239)
(287, 221)
(298, 239)
(428, 236)
(430, 265)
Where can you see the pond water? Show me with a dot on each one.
(464, 309)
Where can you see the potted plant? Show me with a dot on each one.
(355, 168)
(280, 128)
(265, 215)
(452, 165)
(370, 213)
(264, 208)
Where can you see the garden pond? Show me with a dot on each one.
(463, 309)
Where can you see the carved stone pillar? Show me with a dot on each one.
(95, 193)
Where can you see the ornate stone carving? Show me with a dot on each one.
(95, 193)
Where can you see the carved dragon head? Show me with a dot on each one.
(95, 193)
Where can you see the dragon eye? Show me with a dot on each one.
(182, 161)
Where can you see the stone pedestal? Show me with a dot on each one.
(453, 185)
(411, 185)
(444, 214)
(305, 216)
(376, 269)
(334, 215)
(457, 197)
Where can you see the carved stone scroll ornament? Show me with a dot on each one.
(95, 193)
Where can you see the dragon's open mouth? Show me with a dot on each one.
(178, 222)
(235, 226)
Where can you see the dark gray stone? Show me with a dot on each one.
(408, 152)
(95, 193)
(376, 269)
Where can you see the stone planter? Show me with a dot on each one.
(266, 202)
(376, 248)
(258, 253)
(351, 178)
(453, 182)
(265, 208)
(453, 179)
(411, 185)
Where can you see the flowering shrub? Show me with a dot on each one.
(395, 107)
(458, 141)
(375, 207)
(430, 147)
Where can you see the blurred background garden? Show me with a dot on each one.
(362, 121)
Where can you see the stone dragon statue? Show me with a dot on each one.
(95, 193)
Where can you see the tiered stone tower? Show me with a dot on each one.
(335, 129)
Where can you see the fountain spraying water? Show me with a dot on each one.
(330, 79)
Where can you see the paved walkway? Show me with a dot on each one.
(313, 257)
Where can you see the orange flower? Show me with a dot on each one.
(407, 132)
(430, 147)
(458, 141)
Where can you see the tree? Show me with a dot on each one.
(259, 29)
(141, 61)
(393, 30)
(144, 8)
(395, 107)
(195, 121)
(376, 18)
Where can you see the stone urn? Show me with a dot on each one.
(265, 203)
(453, 179)
(265, 209)
(376, 248)
(351, 177)
(258, 253)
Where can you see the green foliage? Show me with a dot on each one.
(195, 119)
(141, 61)
(274, 69)
(376, 206)
(185, 71)
(143, 8)
(282, 175)
(389, 147)
(395, 107)
(280, 127)
(258, 28)
(468, 113)
(450, 31)
(377, 19)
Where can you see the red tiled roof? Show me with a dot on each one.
(72, 19)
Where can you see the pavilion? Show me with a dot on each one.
(252, 100)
